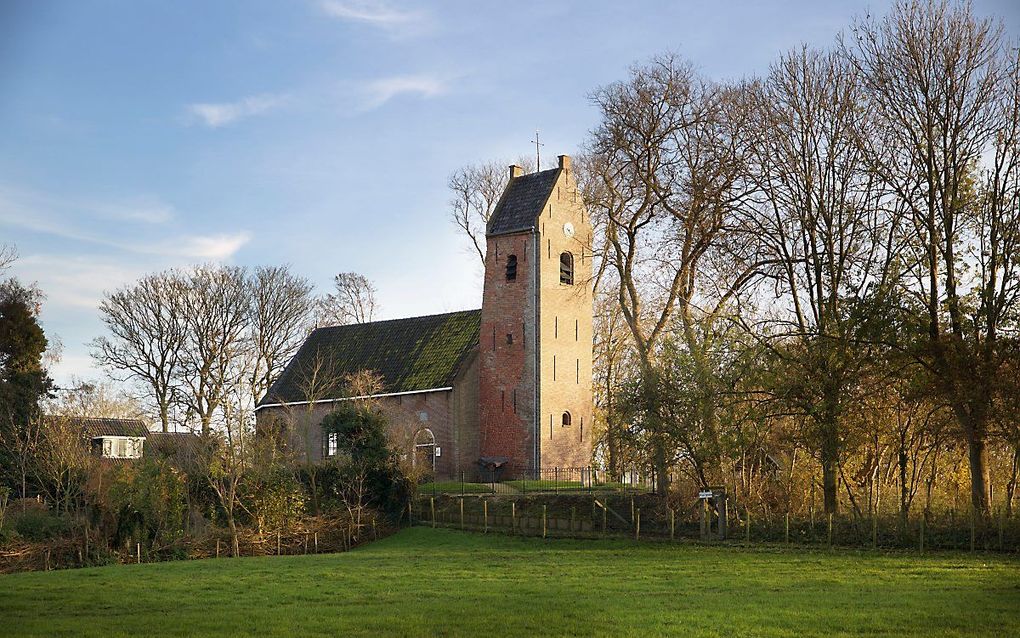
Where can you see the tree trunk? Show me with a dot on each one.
(830, 480)
(977, 455)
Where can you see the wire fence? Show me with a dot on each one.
(645, 516)
(555, 480)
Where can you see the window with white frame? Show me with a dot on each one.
(332, 440)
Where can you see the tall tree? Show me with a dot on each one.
(936, 77)
(281, 307)
(671, 179)
(821, 222)
(147, 332)
(23, 379)
(217, 312)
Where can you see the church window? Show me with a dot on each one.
(567, 269)
(511, 268)
(509, 338)
(566, 419)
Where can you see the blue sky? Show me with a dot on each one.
(139, 135)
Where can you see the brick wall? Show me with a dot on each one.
(451, 415)
(565, 332)
(507, 353)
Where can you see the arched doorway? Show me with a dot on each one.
(424, 456)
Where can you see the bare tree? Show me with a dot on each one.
(937, 78)
(476, 189)
(821, 222)
(216, 307)
(8, 254)
(352, 301)
(146, 325)
(80, 398)
(670, 174)
(281, 311)
(62, 460)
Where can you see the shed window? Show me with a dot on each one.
(566, 419)
(567, 269)
(511, 268)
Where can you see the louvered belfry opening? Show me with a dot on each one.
(567, 269)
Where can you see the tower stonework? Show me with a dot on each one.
(535, 344)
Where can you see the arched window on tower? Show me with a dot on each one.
(511, 268)
(566, 419)
(567, 269)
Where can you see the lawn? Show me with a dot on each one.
(454, 487)
(443, 582)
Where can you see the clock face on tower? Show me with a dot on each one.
(568, 230)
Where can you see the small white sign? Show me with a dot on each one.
(705, 494)
(439, 451)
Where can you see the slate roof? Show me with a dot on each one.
(413, 354)
(95, 427)
(522, 202)
(168, 444)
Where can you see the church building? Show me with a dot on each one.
(508, 385)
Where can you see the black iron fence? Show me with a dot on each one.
(554, 480)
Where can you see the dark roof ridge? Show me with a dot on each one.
(382, 321)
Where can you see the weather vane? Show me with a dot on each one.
(538, 152)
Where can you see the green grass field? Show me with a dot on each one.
(441, 582)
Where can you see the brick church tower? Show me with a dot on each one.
(535, 350)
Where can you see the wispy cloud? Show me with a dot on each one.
(78, 221)
(378, 14)
(381, 91)
(217, 114)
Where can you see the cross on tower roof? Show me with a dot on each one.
(538, 153)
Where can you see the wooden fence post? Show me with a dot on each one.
(543, 522)
(462, 513)
(138, 552)
(277, 542)
(485, 515)
(605, 520)
(672, 523)
(513, 517)
(747, 527)
(409, 521)
(433, 503)
(217, 548)
(637, 525)
(786, 529)
(315, 537)
(830, 530)
(306, 542)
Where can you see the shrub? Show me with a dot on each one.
(39, 525)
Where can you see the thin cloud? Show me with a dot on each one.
(381, 91)
(217, 114)
(61, 217)
(378, 14)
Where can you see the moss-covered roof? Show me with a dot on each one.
(413, 354)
